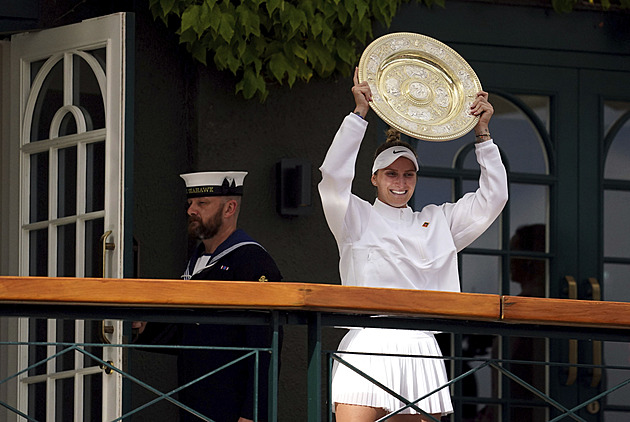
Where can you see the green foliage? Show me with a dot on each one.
(277, 41)
(566, 6)
(282, 41)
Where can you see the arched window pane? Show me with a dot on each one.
(87, 94)
(616, 113)
(517, 135)
(49, 100)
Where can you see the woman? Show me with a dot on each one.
(389, 245)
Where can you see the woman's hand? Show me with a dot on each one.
(482, 108)
(362, 95)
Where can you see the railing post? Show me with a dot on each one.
(274, 367)
(314, 367)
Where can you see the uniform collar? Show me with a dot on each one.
(392, 213)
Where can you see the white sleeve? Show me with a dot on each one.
(472, 214)
(338, 172)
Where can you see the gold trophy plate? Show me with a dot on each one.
(420, 86)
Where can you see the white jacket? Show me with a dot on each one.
(383, 246)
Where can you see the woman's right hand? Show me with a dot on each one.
(362, 95)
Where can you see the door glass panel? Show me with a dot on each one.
(616, 227)
(37, 401)
(38, 253)
(528, 274)
(66, 250)
(65, 334)
(480, 274)
(39, 187)
(484, 383)
(38, 330)
(65, 399)
(93, 255)
(67, 182)
(95, 177)
(48, 102)
(616, 242)
(87, 94)
(529, 204)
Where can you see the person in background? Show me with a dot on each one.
(387, 244)
(224, 253)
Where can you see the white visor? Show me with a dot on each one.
(385, 158)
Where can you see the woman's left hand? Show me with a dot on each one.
(482, 108)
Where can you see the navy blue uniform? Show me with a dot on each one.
(228, 394)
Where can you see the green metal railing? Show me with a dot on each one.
(316, 321)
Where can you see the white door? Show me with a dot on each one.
(68, 137)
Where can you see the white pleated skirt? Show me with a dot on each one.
(410, 377)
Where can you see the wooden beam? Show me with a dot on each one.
(586, 313)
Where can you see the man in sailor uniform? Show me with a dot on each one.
(224, 253)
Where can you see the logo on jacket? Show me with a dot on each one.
(224, 267)
(425, 224)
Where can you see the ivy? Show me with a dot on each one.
(566, 6)
(276, 41)
(283, 41)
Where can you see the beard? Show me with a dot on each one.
(199, 230)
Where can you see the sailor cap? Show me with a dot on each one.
(214, 183)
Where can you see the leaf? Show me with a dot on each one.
(362, 8)
(346, 51)
(199, 52)
(188, 37)
(297, 20)
(273, 5)
(316, 25)
(190, 19)
(249, 20)
(349, 6)
(252, 83)
(278, 65)
(167, 6)
(226, 26)
(299, 51)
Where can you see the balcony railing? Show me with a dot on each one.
(318, 306)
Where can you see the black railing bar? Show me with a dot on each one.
(537, 392)
(153, 313)
(36, 364)
(481, 359)
(498, 328)
(379, 385)
(448, 384)
(146, 386)
(16, 411)
(262, 317)
(161, 395)
(134, 345)
(334, 356)
(597, 397)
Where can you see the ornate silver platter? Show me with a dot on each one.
(420, 86)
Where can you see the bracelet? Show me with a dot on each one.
(358, 114)
(481, 135)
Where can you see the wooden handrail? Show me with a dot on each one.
(312, 297)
